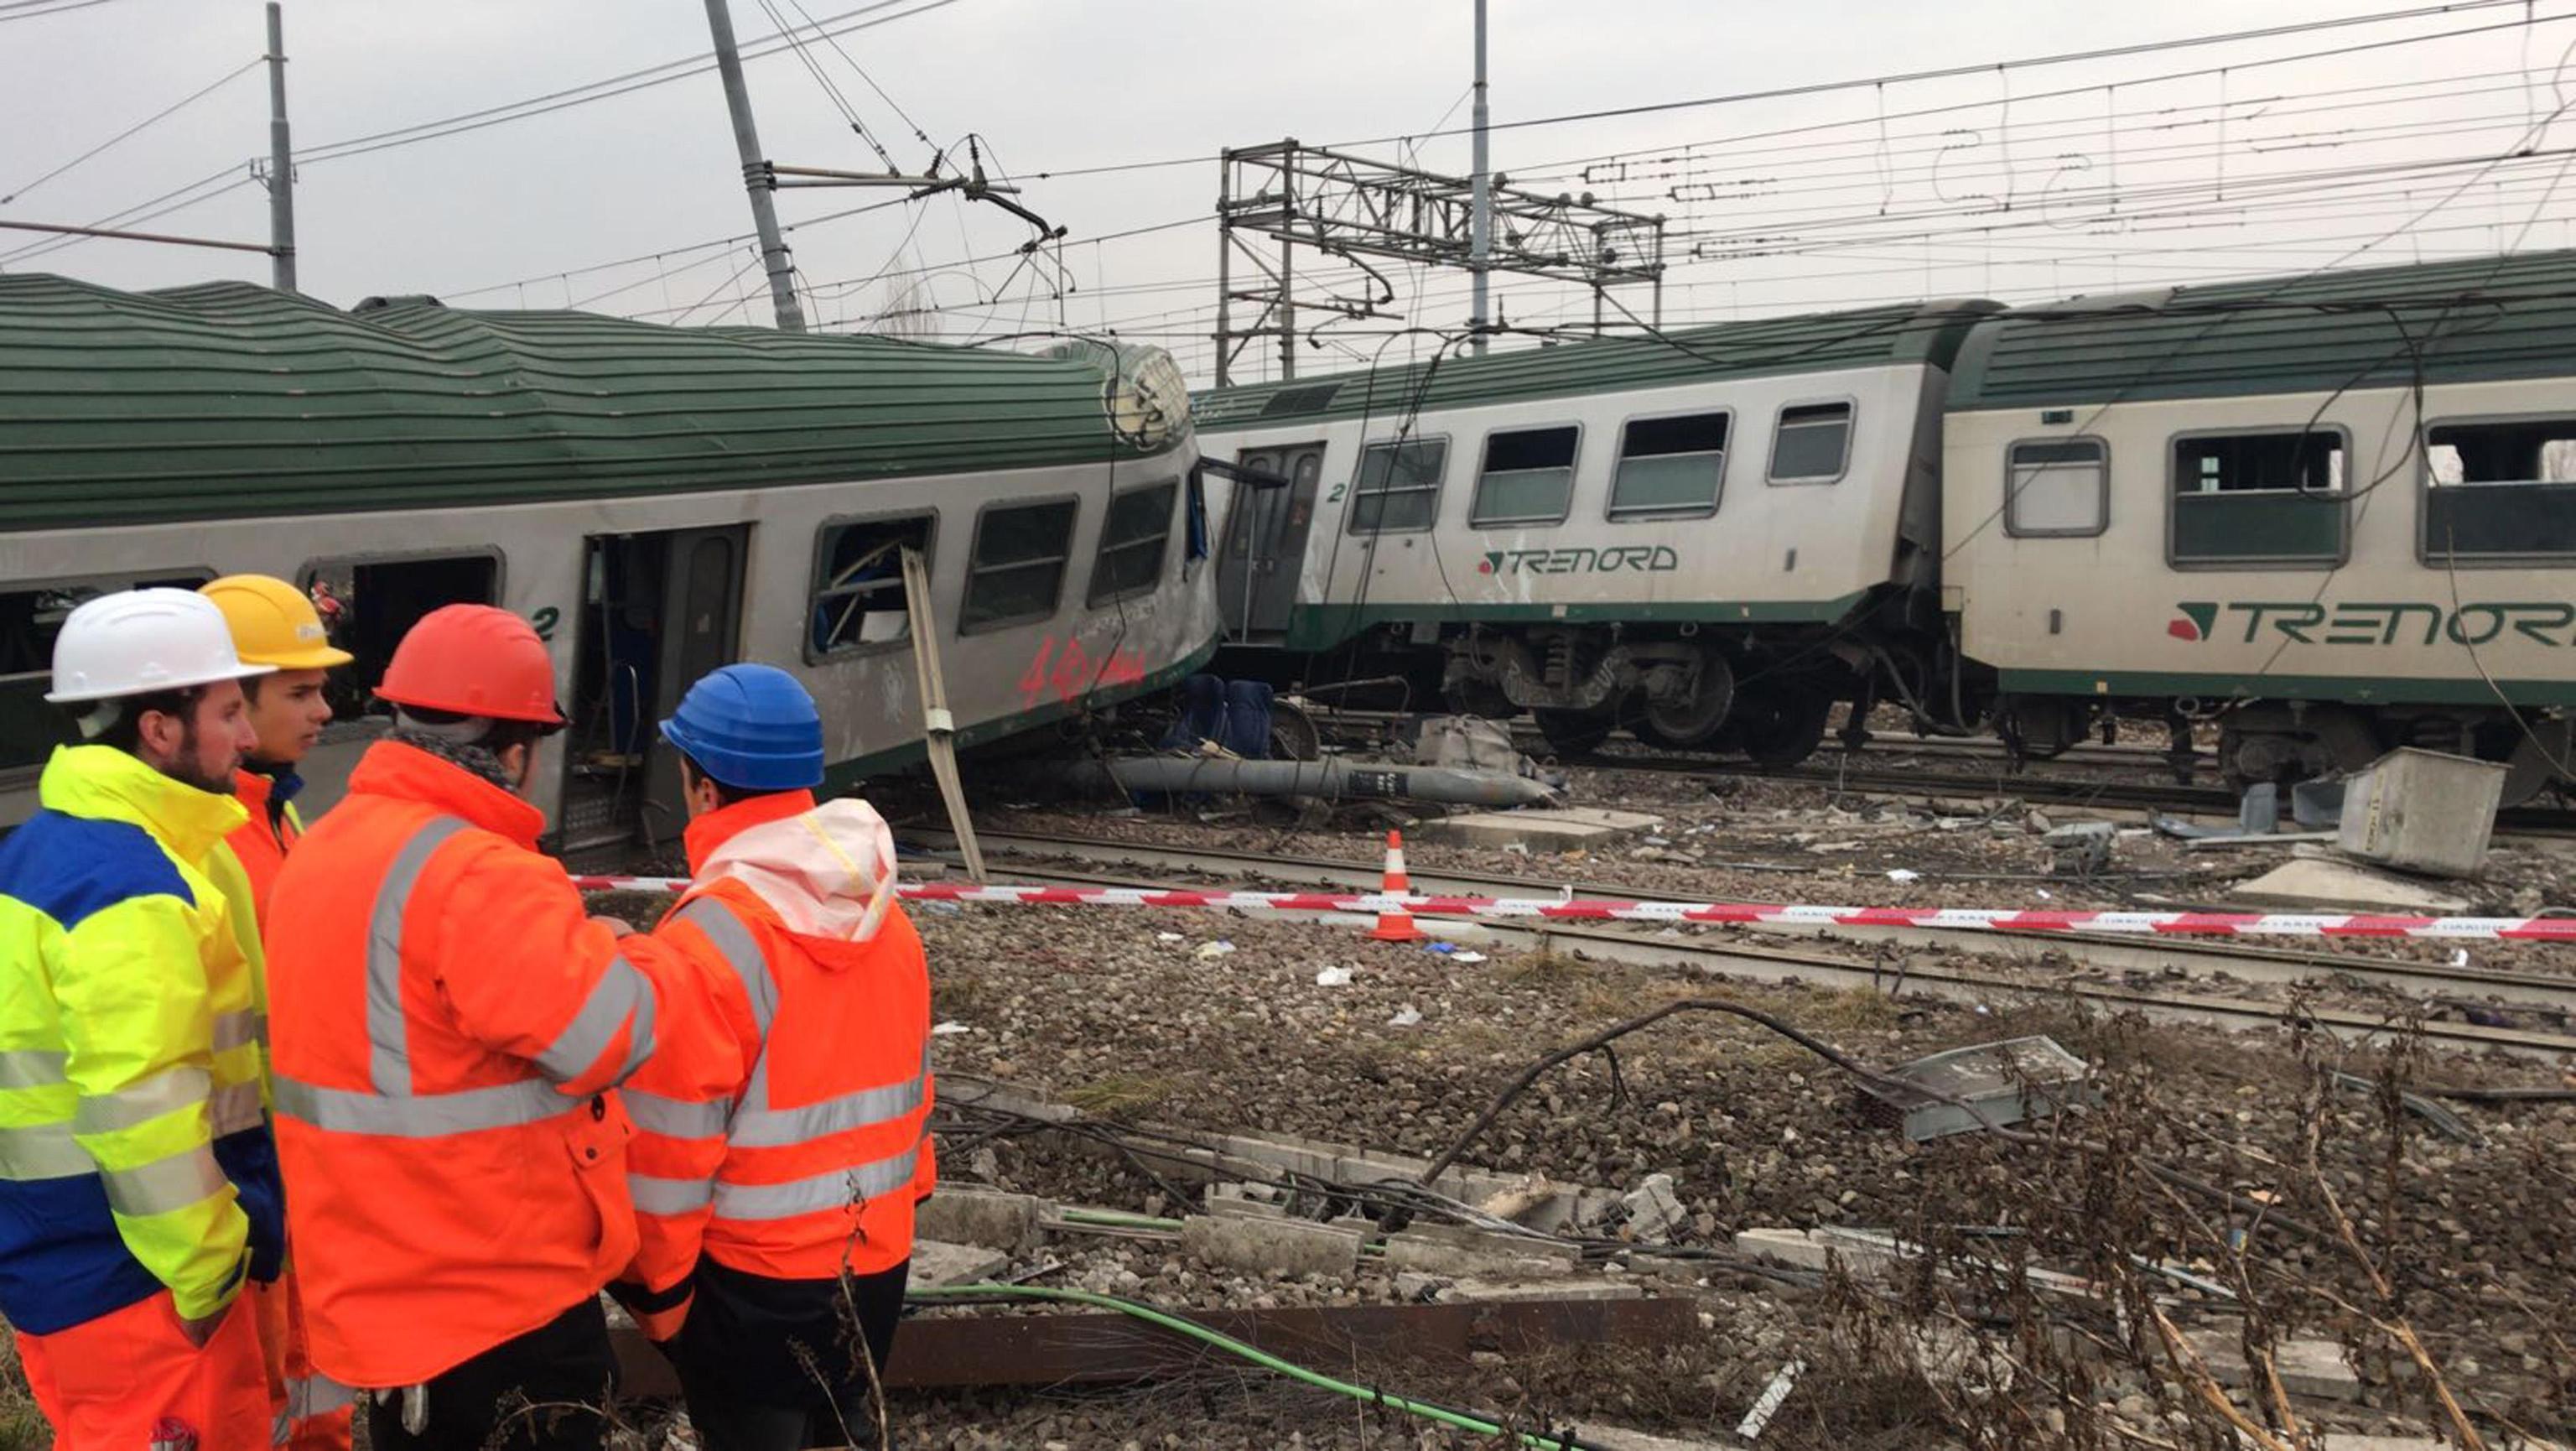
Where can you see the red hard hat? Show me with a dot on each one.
(474, 660)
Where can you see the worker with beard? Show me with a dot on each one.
(138, 1178)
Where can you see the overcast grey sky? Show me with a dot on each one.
(2021, 183)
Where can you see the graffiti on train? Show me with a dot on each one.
(1067, 670)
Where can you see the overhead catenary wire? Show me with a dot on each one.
(39, 9)
(165, 113)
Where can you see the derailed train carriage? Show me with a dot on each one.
(1707, 537)
(657, 501)
(2333, 514)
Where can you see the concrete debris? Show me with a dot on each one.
(937, 1262)
(1425, 1250)
(1417, 1287)
(1007, 1222)
(2080, 848)
(2309, 1365)
(2422, 811)
(1767, 1405)
(1569, 829)
(1538, 1290)
(1616, 1438)
(2319, 882)
(1654, 1210)
(1289, 1246)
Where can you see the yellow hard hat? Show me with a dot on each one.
(273, 623)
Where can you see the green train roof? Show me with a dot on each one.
(1817, 342)
(2475, 321)
(228, 399)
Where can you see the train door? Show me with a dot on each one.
(658, 611)
(1266, 541)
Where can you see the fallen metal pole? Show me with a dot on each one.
(1329, 780)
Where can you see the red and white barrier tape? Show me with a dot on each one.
(1985, 919)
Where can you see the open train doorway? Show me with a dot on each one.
(658, 611)
(1265, 541)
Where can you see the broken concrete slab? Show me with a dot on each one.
(987, 1217)
(1618, 1438)
(1654, 1210)
(1556, 829)
(1815, 1250)
(2309, 1365)
(1290, 1246)
(1473, 1289)
(2319, 882)
(937, 1262)
(1421, 1253)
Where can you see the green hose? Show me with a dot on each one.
(934, 1294)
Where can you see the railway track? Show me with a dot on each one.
(2039, 783)
(2527, 1014)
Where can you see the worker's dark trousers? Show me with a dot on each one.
(544, 1391)
(769, 1365)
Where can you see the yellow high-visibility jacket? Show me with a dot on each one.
(134, 1151)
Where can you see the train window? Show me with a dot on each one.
(2501, 490)
(1132, 543)
(1669, 467)
(368, 605)
(30, 617)
(858, 598)
(1016, 572)
(2057, 487)
(1528, 478)
(1812, 444)
(1399, 486)
(2268, 498)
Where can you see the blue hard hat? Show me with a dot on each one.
(751, 727)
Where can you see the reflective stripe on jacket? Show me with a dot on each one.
(814, 1161)
(133, 1152)
(447, 1022)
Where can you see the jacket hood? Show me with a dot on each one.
(827, 871)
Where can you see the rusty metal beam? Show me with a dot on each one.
(949, 1352)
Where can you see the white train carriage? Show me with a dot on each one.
(2336, 513)
(1710, 535)
(657, 501)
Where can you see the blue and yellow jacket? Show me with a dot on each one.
(135, 1152)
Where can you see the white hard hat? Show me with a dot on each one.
(142, 640)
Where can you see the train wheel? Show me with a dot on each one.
(1293, 733)
(1690, 724)
(1782, 728)
(2537, 756)
(1573, 733)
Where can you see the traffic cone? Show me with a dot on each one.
(1396, 925)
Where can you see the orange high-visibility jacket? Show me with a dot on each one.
(446, 1022)
(260, 843)
(814, 1160)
